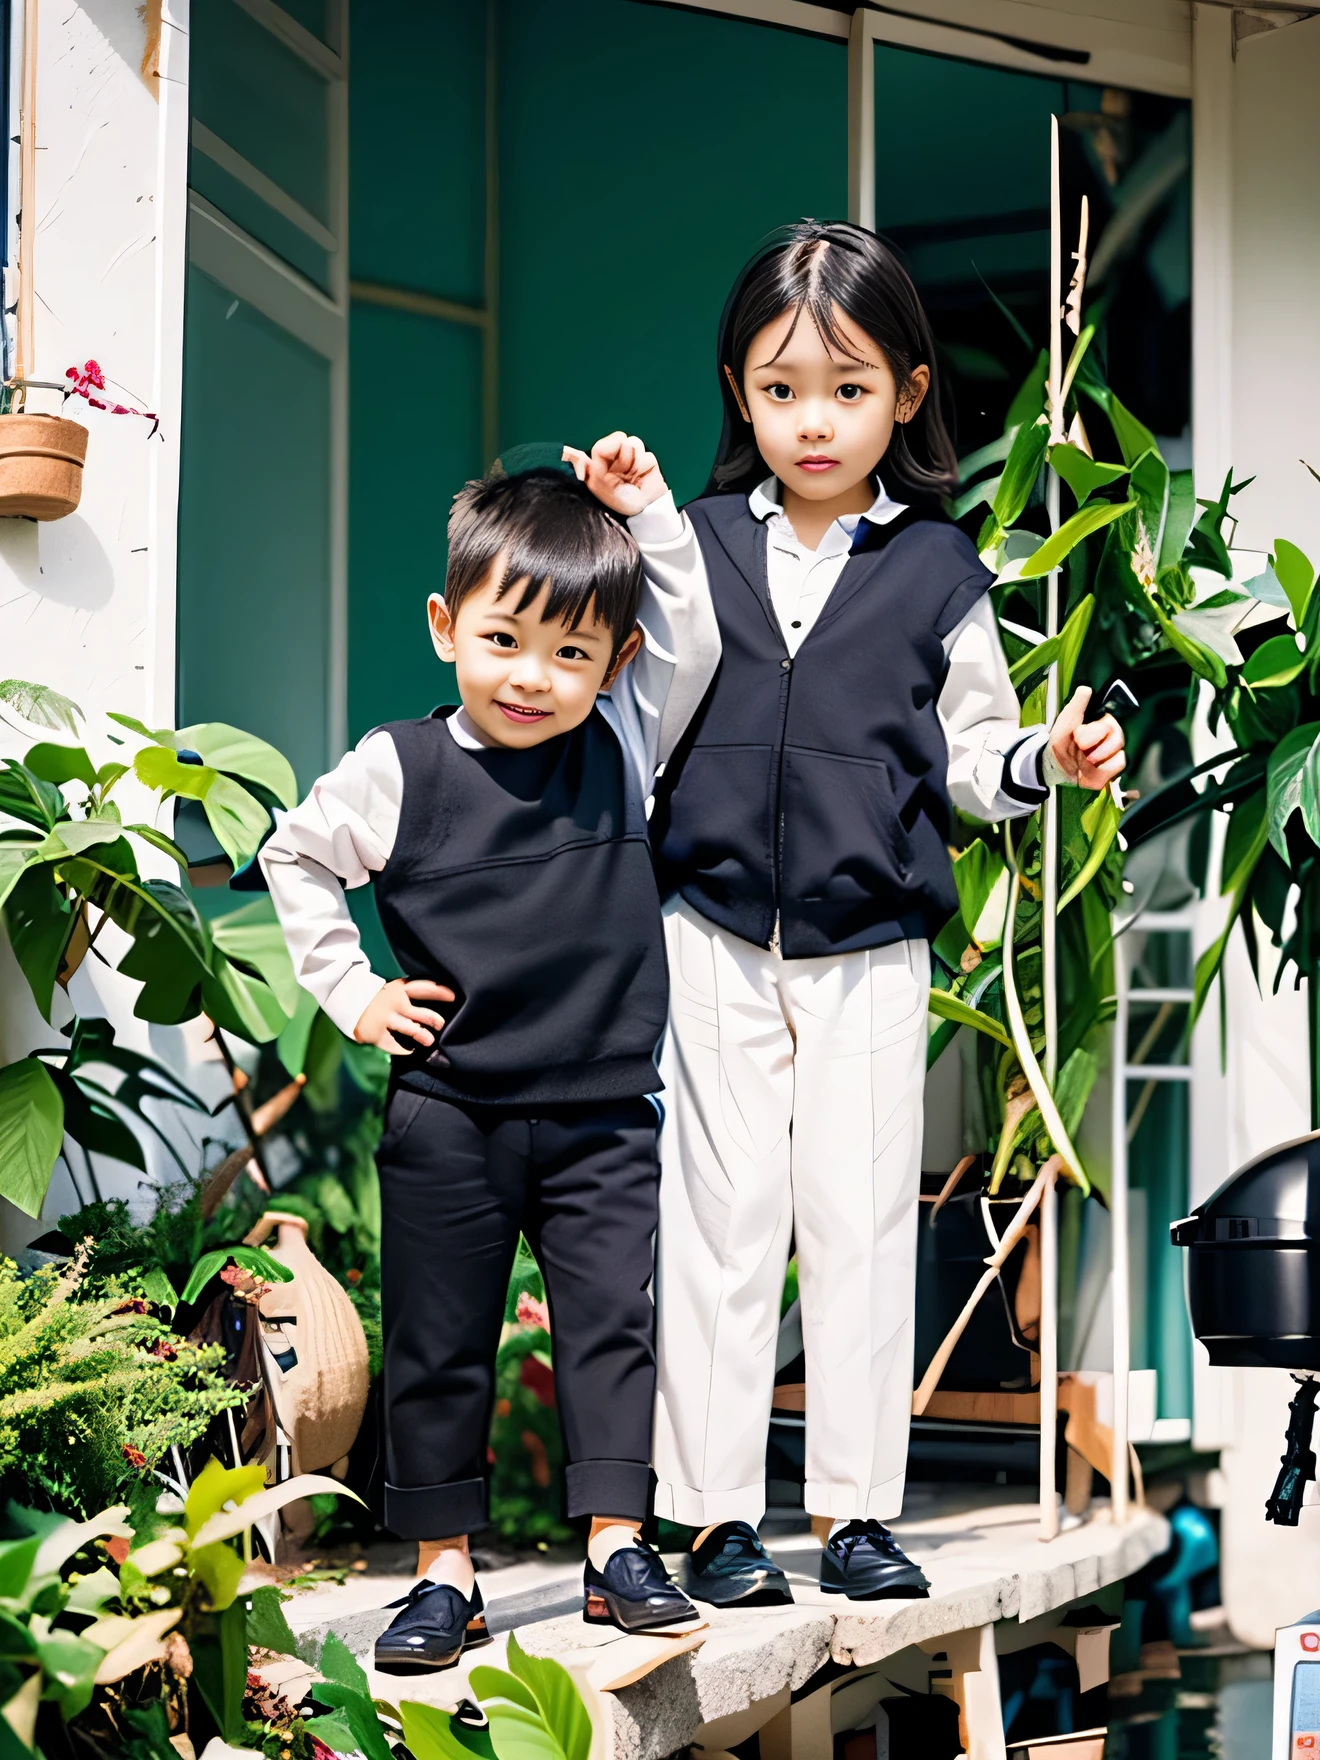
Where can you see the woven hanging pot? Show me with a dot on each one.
(41, 466)
(315, 1353)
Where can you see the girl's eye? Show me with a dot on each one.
(501, 638)
(849, 393)
(572, 654)
(779, 393)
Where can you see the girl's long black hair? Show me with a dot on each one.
(813, 267)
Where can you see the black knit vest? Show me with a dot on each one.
(814, 789)
(522, 879)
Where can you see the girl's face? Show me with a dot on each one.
(822, 419)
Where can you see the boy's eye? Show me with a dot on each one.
(501, 638)
(848, 393)
(779, 393)
(572, 653)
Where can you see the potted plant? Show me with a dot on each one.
(42, 456)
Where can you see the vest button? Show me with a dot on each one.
(787, 665)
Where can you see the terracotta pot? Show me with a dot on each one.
(41, 466)
(314, 1355)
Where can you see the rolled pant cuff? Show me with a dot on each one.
(848, 1503)
(608, 1488)
(431, 1512)
(698, 1509)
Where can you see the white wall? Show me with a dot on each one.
(1256, 178)
(87, 602)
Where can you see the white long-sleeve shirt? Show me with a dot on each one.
(994, 763)
(345, 830)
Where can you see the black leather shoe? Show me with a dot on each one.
(435, 1624)
(864, 1562)
(731, 1568)
(634, 1593)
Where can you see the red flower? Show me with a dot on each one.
(535, 1376)
(354, 1276)
(164, 1350)
(135, 1305)
(531, 1312)
(134, 1456)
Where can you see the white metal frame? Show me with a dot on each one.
(222, 249)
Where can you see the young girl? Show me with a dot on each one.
(801, 833)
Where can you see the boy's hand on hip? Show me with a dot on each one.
(396, 1012)
(620, 472)
(1091, 753)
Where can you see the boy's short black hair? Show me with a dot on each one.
(548, 527)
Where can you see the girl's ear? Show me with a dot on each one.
(442, 627)
(915, 395)
(737, 392)
(625, 654)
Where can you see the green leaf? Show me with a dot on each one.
(1100, 820)
(214, 1487)
(1133, 437)
(28, 797)
(518, 1735)
(1083, 474)
(1086, 520)
(16, 1561)
(1275, 663)
(239, 1001)
(169, 955)
(561, 1704)
(977, 872)
(1065, 648)
(70, 1665)
(1283, 780)
(497, 1683)
(253, 1259)
(1293, 571)
(157, 1288)
(253, 935)
(31, 1131)
(60, 764)
(1029, 400)
(358, 1712)
(1248, 833)
(266, 1625)
(220, 1569)
(109, 774)
(237, 818)
(94, 1126)
(39, 918)
(336, 1734)
(1180, 516)
(1021, 469)
(428, 1733)
(219, 1651)
(163, 736)
(17, 1642)
(338, 1663)
(15, 860)
(952, 1008)
(40, 705)
(1204, 662)
(242, 754)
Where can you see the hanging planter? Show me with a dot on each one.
(41, 466)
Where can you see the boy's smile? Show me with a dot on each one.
(523, 680)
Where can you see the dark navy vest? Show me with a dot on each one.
(814, 789)
(523, 880)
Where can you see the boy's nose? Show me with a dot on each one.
(529, 674)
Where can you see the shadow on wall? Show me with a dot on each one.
(66, 564)
(125, 27)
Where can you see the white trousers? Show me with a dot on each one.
(793, 1097)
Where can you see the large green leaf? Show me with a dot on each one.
(428, 1733)
(253, 1259)
(253, 935)
(15, 860)
(1065, 648)
(952, 1008)
(240, 1001)
(69, 1664)
(31, 1131)
(1133, 436)
(976, 872)
(519, 1735)
(28, 797)
(1283, 784)
(94, 1126)
(214, 1487)
(1204, 662)
(40, 705)
(16, 1560)
(170, 952)
(1248, 833)
(1086, 520)
(1275, 663)
(267, 1627)
(61, 764)
(237, 818)
(1021, 469)
(498, 1683)
(1100, 821)
(219, 1651)
(241, 754)
(1083, 474)
(562, 1705)
(39, 918)
(1179, 519)
(357, 1712)
(1293, 571)
(1149, 486)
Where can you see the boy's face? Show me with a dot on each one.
(523, 681)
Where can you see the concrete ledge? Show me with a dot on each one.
(978, 1546)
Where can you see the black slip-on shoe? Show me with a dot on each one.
(435, 1624)
(731, 1568)
(864, 1562)
(634, 1593)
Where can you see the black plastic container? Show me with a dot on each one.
(1253, 1271)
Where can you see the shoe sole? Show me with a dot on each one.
(596, 1613)
(473, 1639)
(900, 1592)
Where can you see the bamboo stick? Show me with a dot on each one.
(24, 353)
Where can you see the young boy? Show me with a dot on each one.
(507, 843)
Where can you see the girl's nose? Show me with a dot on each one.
(815, 423)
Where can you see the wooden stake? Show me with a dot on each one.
(24, 355)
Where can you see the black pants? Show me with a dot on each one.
(458, 1182)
